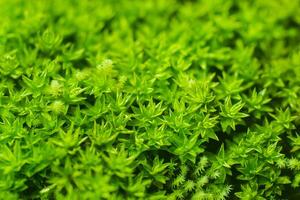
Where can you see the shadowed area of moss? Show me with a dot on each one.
(154, 99)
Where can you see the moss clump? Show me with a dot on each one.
(154, 99)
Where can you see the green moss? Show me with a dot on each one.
(154, 99)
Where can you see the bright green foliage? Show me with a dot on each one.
(150, 99)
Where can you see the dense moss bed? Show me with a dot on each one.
(150, 100)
